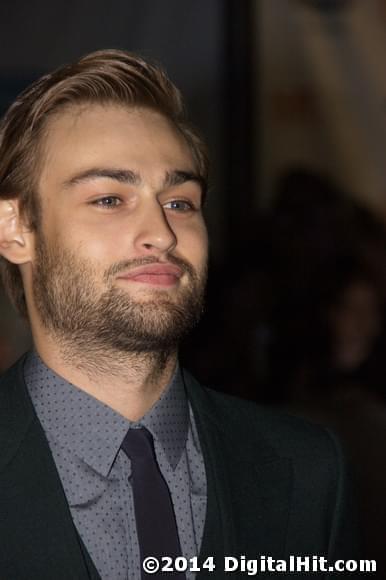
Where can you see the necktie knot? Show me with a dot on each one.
(138, 444)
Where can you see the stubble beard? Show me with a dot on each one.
(98, 331)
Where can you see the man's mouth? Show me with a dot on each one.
(155, 274)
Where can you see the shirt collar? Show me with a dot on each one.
(168, 419)
(83, 426)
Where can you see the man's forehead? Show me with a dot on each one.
(75, 116)
(112, 136)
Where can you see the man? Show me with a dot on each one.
(110, 453)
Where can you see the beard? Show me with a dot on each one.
(64, 289)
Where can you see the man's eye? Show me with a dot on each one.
(109, 201)
(179, 205)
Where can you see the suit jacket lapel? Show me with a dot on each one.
(249, 485)
(39, 539)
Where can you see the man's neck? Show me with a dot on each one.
(129, 383)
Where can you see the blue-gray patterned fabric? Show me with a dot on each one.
(85, 436)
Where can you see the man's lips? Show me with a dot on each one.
(156, 274)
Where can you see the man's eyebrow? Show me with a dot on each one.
(178, 177)
(127, 176)
(121, 175)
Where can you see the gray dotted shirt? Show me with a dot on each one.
(85, 438)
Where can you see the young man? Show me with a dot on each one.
(111, 453)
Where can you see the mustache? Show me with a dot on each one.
(125, 265)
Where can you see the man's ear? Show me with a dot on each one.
(15, 238)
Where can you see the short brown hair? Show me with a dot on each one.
(105, 76)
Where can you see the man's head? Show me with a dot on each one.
(101, 185)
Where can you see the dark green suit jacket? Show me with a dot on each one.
(276, 487)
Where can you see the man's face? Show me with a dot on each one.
(120, 257)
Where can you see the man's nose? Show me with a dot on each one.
(154, 232)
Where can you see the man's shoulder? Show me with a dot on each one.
(12, 378)
(277, 466)
(257, 425)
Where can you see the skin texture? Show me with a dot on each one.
(93, 321)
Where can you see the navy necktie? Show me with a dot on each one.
(154, 513)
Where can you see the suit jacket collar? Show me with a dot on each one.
(249, 485)
(36, 527)
(17, 412)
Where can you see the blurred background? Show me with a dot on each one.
(291, 97)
